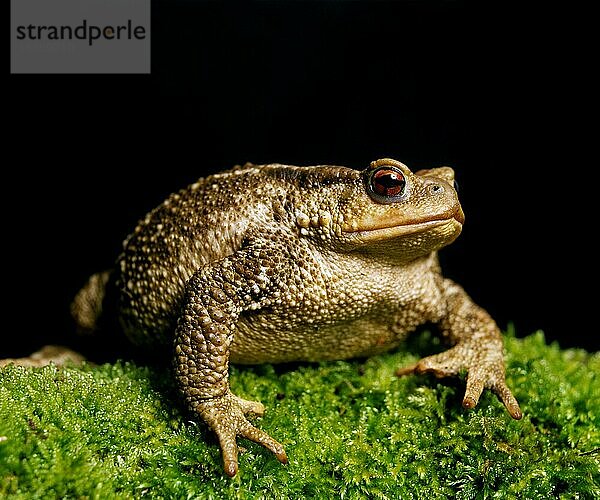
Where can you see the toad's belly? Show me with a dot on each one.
(260, 339)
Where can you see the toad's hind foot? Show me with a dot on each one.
(482, 372)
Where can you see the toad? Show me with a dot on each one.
(277, 263)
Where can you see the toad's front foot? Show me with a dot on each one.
(225, 415)
(484, 370)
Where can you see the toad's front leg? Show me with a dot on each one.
(477, 349)
(215, 297)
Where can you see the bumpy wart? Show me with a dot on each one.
(277, 263)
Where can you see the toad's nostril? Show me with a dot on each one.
(436, 189)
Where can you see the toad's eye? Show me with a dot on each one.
(386, 184)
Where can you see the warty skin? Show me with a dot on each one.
(276, 263)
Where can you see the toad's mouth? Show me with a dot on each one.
(444, 226)
(447, 225)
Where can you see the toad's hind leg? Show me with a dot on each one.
(88, 305)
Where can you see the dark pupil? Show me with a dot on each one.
(388, 183)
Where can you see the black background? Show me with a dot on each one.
(486, 90)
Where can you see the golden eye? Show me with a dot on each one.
(386, 184)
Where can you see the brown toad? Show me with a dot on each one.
(275, 263)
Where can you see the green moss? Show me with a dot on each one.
(350, 429)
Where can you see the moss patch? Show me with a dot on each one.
(350, 429)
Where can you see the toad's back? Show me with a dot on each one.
(200, 224)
